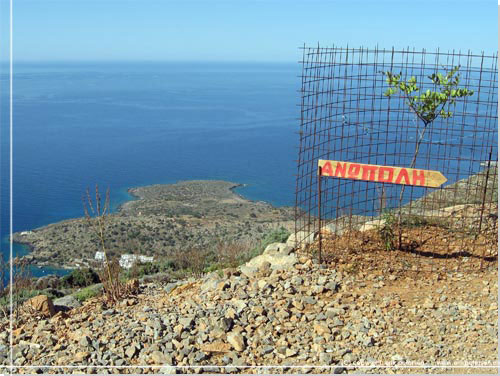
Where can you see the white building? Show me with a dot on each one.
(126, 261)
(99, 256)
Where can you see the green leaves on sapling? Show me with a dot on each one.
(429, 104)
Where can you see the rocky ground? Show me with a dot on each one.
(162, 219)
(280, 309)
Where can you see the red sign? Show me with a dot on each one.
(381, 174)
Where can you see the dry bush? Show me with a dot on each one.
(232, 253)
(22, 283)
(3, 273)
(22, 275)
(109, 274)
(134, 271)
(199, 260)
(114, 288)
(97, 219)
(3, 287)
(193, 260)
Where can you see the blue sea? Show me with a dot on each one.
(122, 125)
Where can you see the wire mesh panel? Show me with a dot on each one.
(346, 116)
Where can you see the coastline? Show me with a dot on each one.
(193, 210)
(132, 191)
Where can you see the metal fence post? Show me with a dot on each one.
(319, 214)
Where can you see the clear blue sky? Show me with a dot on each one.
(238, 30)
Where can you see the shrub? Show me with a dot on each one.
(168, 264)
(23, 283)
(191, 261)
(81, 278)
(279, 235)
(386, 231)
(87, 293)
(212, 268)
(420, 220)
(139, 270)
(113, 286)
(3, 275)
(230, 254)
(223, 253)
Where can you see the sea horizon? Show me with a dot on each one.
(123, 125)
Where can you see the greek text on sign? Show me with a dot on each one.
(381, 174)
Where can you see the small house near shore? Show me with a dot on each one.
(127, 260)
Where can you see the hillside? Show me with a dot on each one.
(280, 309)
(365, 306)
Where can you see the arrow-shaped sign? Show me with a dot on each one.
(381, 174)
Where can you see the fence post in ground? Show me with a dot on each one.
(319, 214)
(482, 204)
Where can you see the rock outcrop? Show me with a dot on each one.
(40, 304)
(66, 303)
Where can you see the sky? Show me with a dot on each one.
(238, 30)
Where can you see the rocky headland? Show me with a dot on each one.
(161, 220)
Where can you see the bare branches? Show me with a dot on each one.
(96, 215)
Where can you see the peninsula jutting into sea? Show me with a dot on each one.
(162, 219)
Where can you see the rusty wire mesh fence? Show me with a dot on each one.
(345, 116)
